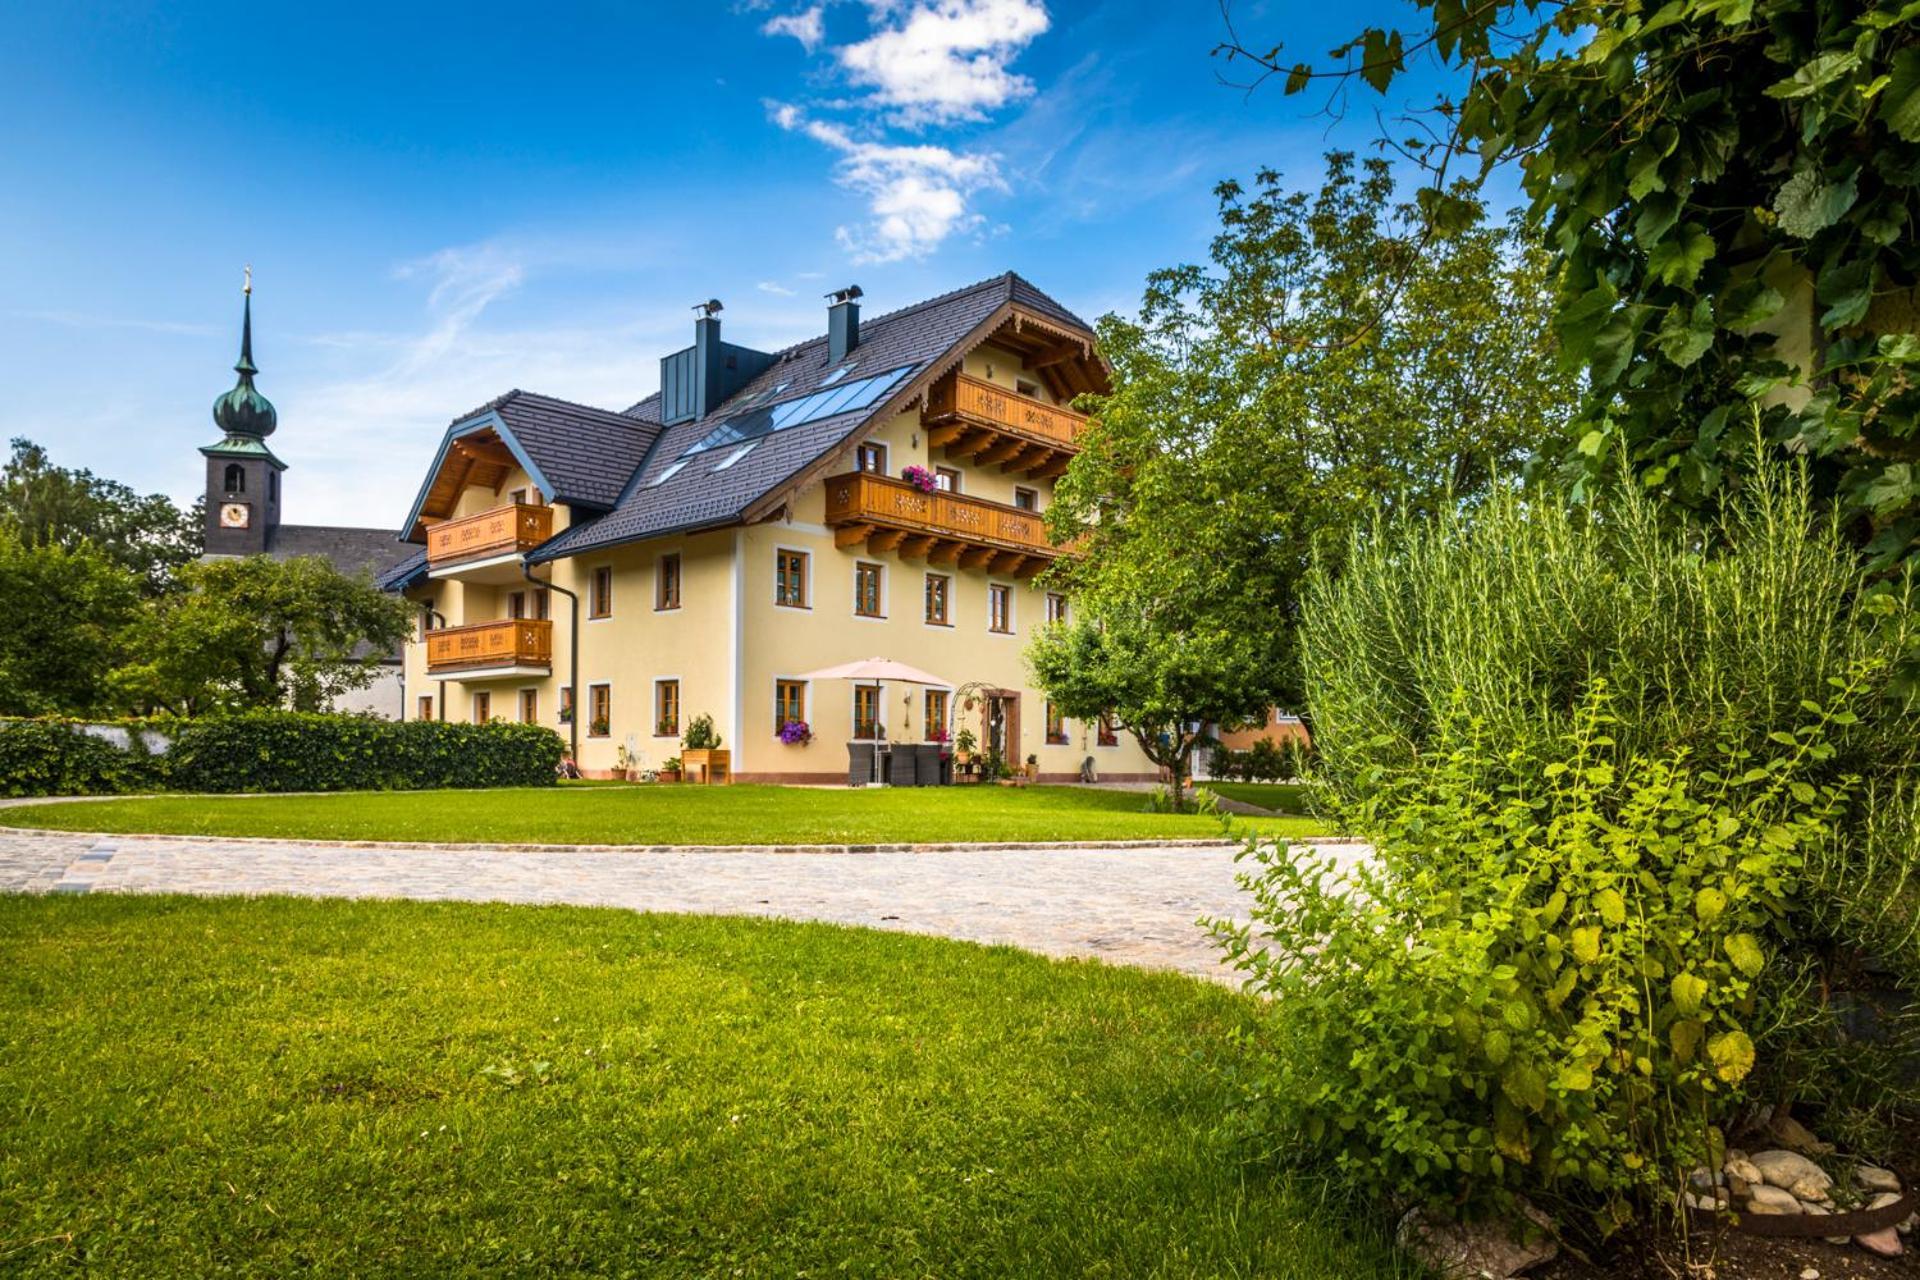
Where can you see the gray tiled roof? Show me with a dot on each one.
(585, 453)
(699, 496)
(359, 553)
(403, 574)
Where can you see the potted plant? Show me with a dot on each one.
(626, 764)
(700, 749)
(599, 728)
(921, 478)
(670, 769)
(1033, 768)
(795, 733)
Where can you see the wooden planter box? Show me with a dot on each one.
(714, 765)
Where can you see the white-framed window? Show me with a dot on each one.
(1000, 608)
(666, 581)
(600, 593)
(666, 707)
(792, 578)
(869, 710)
(869, 590)
(939, 600)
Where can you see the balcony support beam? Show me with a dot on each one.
(886, 540)
(1001, 452)
(851, 536)
(917, 548)
(977, 557)
(946, 553)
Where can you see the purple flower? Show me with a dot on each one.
(795, 732)
(921, 478)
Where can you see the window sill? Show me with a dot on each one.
(944, 626)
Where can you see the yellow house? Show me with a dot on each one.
(877, 491)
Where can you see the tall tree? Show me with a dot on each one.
(47, 505)
(66, 611)
(1730, 187)
(256, 632)
(1324, 361)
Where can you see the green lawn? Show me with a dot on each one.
(275, 1087)
(660, 815)
(1281, 797)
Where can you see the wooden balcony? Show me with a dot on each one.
(503, 531)
(988, 425)
(942, 528)
(511, 646)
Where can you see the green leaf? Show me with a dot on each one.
(1611, 906)
(1744, 950)
(1586, 943)
(1525, 1085)
(1808, 204)
(1684, 338)
(1709, 903)
(1685, 1036)
(1678, 258)
(1688, 991)
(1575, 1078)
(1748, 303)
(1900, 102)
(1381, 58)
(1496, 1044)
(1731, 1053)
(1813, 75)
(1848, 291)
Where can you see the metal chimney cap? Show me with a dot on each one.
(709, 308)
(847, 294)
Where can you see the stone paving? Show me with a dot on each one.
(1124, 905)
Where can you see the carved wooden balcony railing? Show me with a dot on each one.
(988, 425)
(502, 531)
(509, 643)
(939, 527)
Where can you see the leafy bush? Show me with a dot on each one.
(1264, 761)
(294, 751)
(1555, 977)
(59, 758)
(701, 735)
(1508, 615)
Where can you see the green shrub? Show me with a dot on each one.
(58, 758)
(1509, 614)
(1555, 977)
(295, 751)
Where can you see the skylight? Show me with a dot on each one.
(847, 397)
(668, 474)
(834, 375)
(733, 457)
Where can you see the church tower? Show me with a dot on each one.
(243, 475)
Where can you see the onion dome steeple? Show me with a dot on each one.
(243, 412)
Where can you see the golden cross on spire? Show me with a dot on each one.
(247, 288)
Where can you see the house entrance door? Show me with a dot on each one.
(1003, 727)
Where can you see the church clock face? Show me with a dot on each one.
(235, 515)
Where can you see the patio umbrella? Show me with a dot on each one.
(876, 671)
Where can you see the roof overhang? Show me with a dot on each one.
(1074, 343)
(470, 430)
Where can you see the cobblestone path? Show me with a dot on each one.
(1125, 905)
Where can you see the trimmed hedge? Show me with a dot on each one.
(278, 751)
(294, 751)
(59, 758)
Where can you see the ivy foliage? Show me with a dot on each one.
(1730, 189)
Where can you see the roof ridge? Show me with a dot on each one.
(1005, 278)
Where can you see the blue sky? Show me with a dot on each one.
(442, 202)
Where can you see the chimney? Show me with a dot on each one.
(709, 366)
(843, 323)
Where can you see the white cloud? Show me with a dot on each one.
(807, 26)
(942, 61)
(916, 193)
(776, 289)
